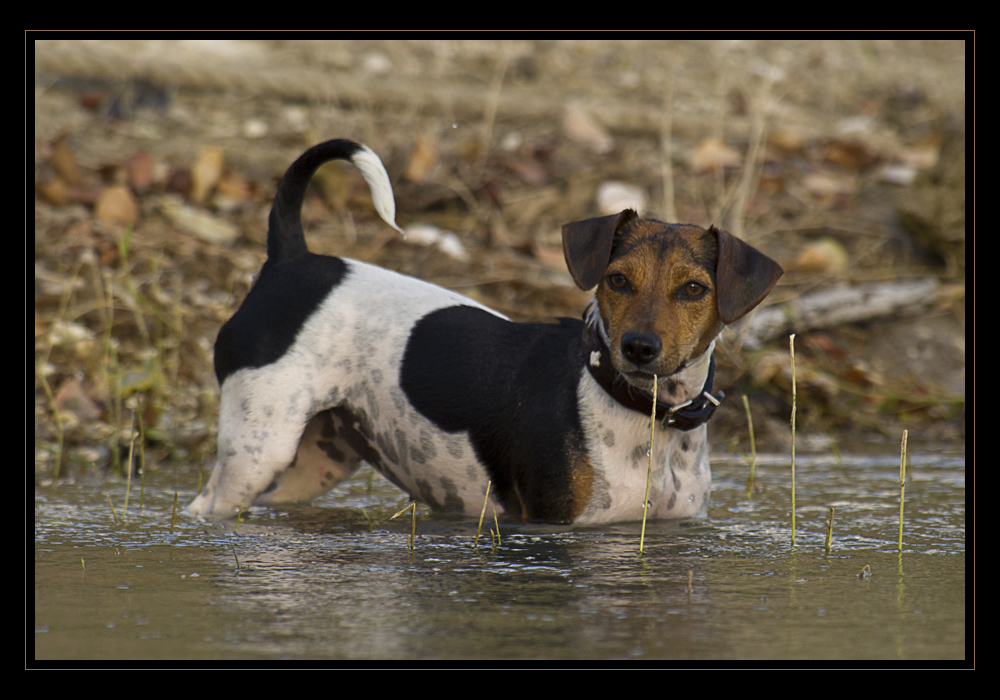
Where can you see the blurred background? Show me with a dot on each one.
(155, 162)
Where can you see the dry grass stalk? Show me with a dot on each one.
(649, 468)
(482, 514)
(753, 447)
(113, 513)
(791, 346)
(413, 523)
(131, 452)
(902, 486)
(829, 530)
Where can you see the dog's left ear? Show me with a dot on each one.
(744, 276)
(587, 246)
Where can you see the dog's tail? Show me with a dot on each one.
(285, 237)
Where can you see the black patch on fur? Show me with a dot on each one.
(265, 326)
(512, 388)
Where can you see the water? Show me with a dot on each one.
(337, 581)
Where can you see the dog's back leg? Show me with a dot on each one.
(257, 442)
(325, 458)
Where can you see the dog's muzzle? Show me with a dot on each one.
(597, 356)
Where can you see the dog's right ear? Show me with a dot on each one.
(587, 246)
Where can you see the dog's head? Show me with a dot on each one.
(664, 291)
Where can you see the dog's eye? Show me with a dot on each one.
(694, 289)
(618, 280)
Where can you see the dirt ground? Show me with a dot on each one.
(155, 162)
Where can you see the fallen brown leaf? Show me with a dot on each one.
(824, 255)
(72, 398)
(786, 141)
(197, 221)
(530, 171)
(116, 205)
(205, 173)
(849, 154)
(64, 161)
(580, 126)
(235, 188)
(711, 154)
(139, 170)
(422, 160)
(53, 192)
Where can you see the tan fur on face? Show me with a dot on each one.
(660, 280)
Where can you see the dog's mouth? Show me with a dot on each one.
(642, 379)
(638, 377)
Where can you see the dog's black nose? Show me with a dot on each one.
(641, 348)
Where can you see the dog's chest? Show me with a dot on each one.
(618, 443)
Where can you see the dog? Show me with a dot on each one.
(330, 362)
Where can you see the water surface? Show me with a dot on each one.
(337, 581)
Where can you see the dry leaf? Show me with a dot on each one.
(581, 127)
(54, 192)
(824, 255)
(92, 100)
(198, 222)
(529, 171)
(923, 155)
(711, 154)
(422, 160)
(179, 182)
(139, 170)
(116, 205)
(64, 161)
(71, 398)
(825, 344)
(786, 141)
(235, 188)
(861, 374)
(205, 173)
(852, 155)
(827, 185)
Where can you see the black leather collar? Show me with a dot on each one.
(683, 416)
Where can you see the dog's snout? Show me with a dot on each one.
(641, 348)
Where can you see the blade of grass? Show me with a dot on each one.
(753, 447)
(649, 467)
(482, 513)
(902, 486)
(791, 347)
(413, 525)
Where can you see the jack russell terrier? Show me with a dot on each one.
(330, 362)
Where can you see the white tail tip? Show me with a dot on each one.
(377, 178)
